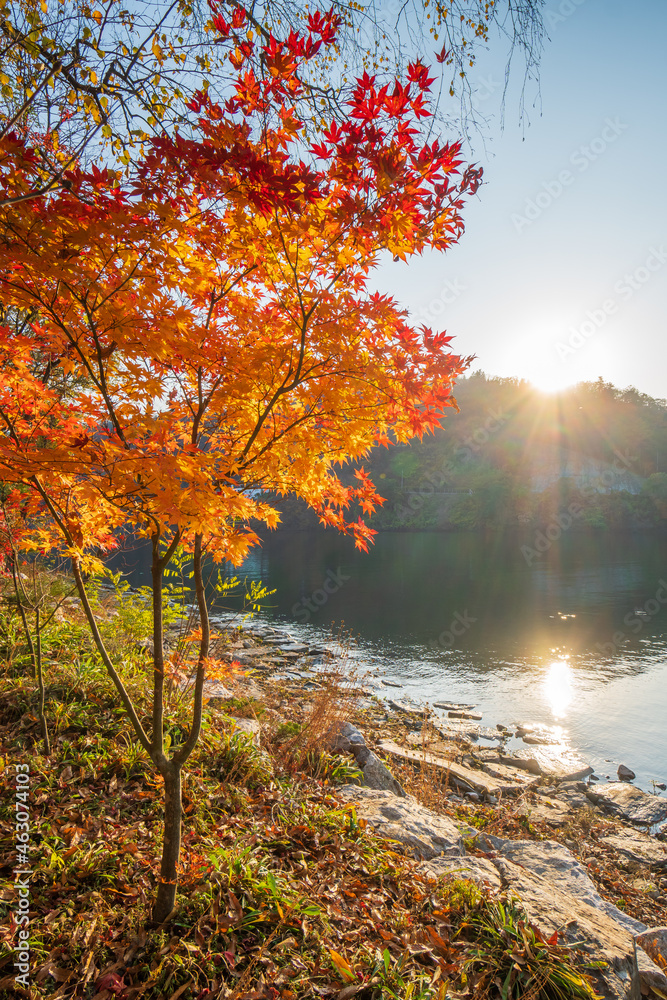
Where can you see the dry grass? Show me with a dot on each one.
(333, 704)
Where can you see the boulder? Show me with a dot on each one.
(424, 833)
(343, 736)
(625, 773)
(376, 773)
(651, 975)
(654, 943)
(636, 849)
(630, 802)
(346, 737)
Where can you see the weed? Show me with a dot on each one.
(509, 953)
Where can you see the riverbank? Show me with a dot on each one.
(289, 887)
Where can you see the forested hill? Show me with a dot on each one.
(514, 456)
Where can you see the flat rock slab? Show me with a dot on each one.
(513, 774)
(478, 870)
(463, 778)
(630, 802)
(556, 864)
(459, 714)
(254, 653)
(424, 833)
(452, 706)
(551, 762)
(468, 731)
(407, 709)
(637, 849)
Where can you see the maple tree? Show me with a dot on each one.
(212, 318)
(99, 79)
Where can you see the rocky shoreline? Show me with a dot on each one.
(531, 821)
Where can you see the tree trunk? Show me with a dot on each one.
(171, 845)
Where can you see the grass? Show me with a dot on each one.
(283, 892)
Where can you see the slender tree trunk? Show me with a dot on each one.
(24, 620)
(40, 682)
(171, 845)
(157, 571)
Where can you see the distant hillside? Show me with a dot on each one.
(514, 456)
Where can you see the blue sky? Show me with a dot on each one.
(561, 275)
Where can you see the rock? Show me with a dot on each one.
(476, 716)
(545, 810)
(390, 684)
(654, 943)
(477, 870)
(553, 762)
(424, 833)
(468, 731)
(342, 736)
(630, 802)
(451, 706)
(419, 714)
(651, 975)
(505, 773)
(216, 695)
(625, 773)
(255, 653)
(377, 775)
(250, 727)
(638, 849)
(574, 798)
(555, 863)
(346, 737)
(293, 647)
(462, 778)
(594, 931)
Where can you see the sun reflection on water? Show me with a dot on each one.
(558, 687)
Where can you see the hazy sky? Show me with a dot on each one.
(562, 272)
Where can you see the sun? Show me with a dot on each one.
(552, 379)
